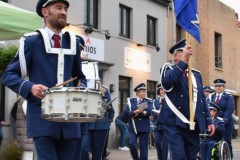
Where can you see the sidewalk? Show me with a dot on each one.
(152, 153)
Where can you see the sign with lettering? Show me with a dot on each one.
(94, 49)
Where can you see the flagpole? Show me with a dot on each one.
(190, 89)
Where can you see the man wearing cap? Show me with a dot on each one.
(181, 133)
(159, 137)
(207, 145)
(41, 51)
(138, 110)
(225, 101)
(207, 90)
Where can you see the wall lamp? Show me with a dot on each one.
(157, 47)
(112, 88)
(107, 35)
(139, 45)
(89, 30)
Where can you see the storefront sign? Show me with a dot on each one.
(137, 60)
(94, 49)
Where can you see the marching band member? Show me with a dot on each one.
(159, 136)
(52, 140)
(97, 133)
(181, 134)
(225, 101)
(207, 145)
(138, 111)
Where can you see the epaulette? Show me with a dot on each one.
(196, 70)
(221, 119)
(104, 87)
(228, 93)
(30, 34)
(148, 98)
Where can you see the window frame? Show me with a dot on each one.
(151, 89)
(151, 40)
(91, 15)
(218, 63)
(125, 22)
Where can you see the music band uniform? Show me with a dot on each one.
(226, 104)
(183, 141)
(142, 124)
(207, 145)
(95, 139)
(159, 137)
(53, 140)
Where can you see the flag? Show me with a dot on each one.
(187, 16)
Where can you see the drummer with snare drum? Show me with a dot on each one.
(50, 57)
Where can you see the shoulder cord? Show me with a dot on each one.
(162, 73)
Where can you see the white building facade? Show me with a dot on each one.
(133, 54)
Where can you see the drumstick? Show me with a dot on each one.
(66, 82)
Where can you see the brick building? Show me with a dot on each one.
(218, 54)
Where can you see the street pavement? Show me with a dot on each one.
(117, 154)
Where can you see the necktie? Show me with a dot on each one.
(162, 100)
(139, 101)
(217, 100)
(185, 73)
(56, 38)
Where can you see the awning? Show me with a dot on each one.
(14, 21)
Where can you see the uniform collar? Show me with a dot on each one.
(220, 94)
(51, 33)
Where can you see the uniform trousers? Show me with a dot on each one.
(228, 136)
(206, 149)
(184, 143)
(143, 144)
(78, 149)
(161, 144)
(94, 142)
(49, 148)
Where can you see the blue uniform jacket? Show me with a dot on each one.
(42, 69)
(227, 106)
(142, 121)
(157, 104)
(180, 98)
(219, 129)
(103, 123)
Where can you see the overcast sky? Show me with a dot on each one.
(235, 4)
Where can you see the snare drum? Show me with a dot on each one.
(90, 70)
(70, 104)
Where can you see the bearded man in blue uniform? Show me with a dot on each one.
(53, 140)
(182, 136)
(225, 101)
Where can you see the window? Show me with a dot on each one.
(218, 50)
(179, 33)
(125, 21)
(124, 92)
(151, 30)
(151, 89)
(91, 13)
